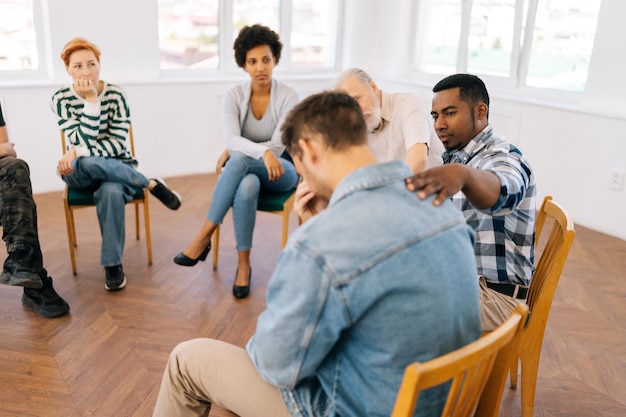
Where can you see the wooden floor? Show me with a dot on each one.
(106, 358)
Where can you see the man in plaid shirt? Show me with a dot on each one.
(492, 183)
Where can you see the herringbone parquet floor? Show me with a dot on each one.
(106, 358)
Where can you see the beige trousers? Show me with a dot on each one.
(201, 372)
(495, 308)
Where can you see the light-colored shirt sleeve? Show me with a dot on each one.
(406, 122)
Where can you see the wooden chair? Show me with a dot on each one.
(540, 295)
(480, 366)
(77, 199)
(276, 203)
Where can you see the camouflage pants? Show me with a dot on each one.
(18, 214)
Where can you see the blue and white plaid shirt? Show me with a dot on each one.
(505, 233)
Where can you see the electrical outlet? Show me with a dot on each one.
(616, 180)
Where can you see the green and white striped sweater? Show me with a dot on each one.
(94, 129)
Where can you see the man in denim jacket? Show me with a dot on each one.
(362, 289)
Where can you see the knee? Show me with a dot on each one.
(249, 188)
(183, 355)
(237, 161)
(15, 165)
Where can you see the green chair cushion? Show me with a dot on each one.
(85, 197)
(269, 201)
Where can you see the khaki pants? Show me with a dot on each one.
(495, 308)
(202, 372)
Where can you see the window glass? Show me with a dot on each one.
(442, 32)
(18, 37)
(313, 33)
(250, 12)
(562, 44)
(188, 31)
(491, 37)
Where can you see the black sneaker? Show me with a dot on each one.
(171, 199)
(115, 278)
(17, 272)
(22, 277)
(45, 301)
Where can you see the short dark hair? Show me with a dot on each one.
(253, 36)
(472, 89)
(334, 115)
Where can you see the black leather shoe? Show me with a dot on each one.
(184, 260)
(242, 291)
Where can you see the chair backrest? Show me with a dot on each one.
(468, 369)
(551, 218)
(131, 141)
(552, 258)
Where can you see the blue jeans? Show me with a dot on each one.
(238, 187)
(114, 183)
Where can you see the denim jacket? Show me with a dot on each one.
(376, 281)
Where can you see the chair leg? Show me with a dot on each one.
(136, 220)
(285, 228)
(216, 246)
(71, 234)
(72, 226)
(530, 367)
(513, 372)
(146, 216)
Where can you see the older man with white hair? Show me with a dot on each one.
(399, 124)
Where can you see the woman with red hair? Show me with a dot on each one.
(95, 118)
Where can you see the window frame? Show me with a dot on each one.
(520, 52)
(226, 34)
(42, 41)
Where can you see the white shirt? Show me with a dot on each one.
(406, 122)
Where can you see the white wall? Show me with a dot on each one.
(572, 144)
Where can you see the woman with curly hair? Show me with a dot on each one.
(253, 114)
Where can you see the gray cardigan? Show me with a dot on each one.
(236, 105)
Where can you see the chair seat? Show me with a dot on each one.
(77, 199)
(85, 197)
(270, 201)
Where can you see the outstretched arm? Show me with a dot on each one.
(481, 187)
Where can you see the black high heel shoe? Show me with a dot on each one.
(242, 291)
(184, 260)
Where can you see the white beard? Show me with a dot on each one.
(373, 118)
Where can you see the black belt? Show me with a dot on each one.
(509, 289)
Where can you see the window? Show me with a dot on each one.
(539, 43)
(188, 32)
(18, 37)
(491, 34)
(562, 43)
(198, 34)
(440, 41)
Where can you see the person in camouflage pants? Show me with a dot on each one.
(18, 217)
